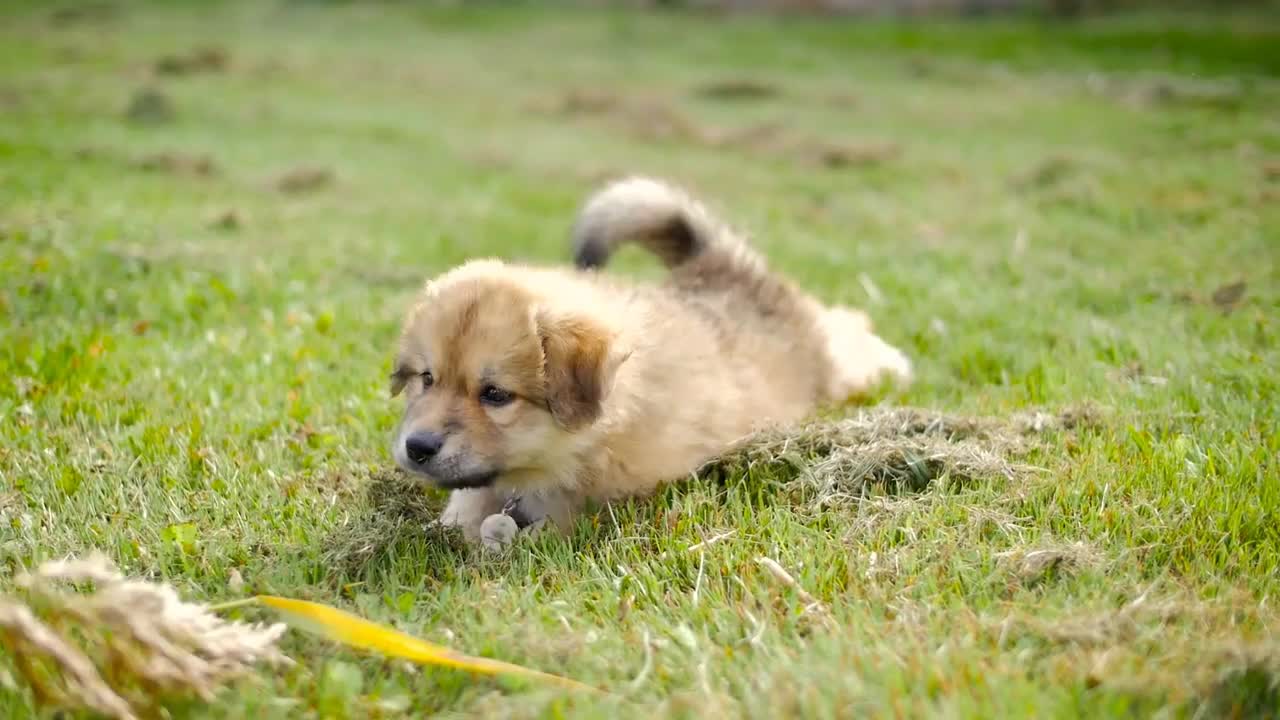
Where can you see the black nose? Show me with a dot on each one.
(422, 446)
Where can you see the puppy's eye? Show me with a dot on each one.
(495, 396)
(428, 379)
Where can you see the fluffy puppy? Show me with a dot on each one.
(531, 391)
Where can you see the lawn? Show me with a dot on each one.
(212, 217)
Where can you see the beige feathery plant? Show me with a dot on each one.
(125, 645)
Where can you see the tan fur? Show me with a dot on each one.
(618, 387)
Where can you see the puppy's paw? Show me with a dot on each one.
(468, 509)
(497, 532)
(549, 508)
(861, 359)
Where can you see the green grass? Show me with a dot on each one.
(197, 400)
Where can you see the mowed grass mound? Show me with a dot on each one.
(212, 216)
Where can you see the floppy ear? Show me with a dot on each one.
(579, 364)
(398, 381)
(401, 373)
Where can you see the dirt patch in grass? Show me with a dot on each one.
(11, 98)
(304, 179)
(654, 119)
(902, 449)
(1048, 173)
(198, 60)
(837, 156)
(165, 162)
(738, 89)
(761, 137)
(227, 220)
(584, 102)
(1226, 298)
(177, 163)
(83, 13)
(149, 106)
(646, 118)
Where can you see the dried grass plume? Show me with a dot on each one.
(122, 647)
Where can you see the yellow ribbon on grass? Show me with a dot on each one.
(356, 632)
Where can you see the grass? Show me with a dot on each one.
(200, 299)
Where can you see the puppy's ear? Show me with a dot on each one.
(580, 361)
(401, 373)
(398, 381)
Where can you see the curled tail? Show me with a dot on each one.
(662, 219)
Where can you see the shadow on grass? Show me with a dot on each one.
(1249, 693)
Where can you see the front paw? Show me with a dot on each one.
(533, 511)
(467, 510)
(469, 528)
(498, 531)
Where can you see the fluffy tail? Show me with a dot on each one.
(662, 219)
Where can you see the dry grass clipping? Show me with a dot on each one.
(899, 449)
(127, 645)
(1030, 567)
(395, 507)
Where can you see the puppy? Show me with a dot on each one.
(531, 391)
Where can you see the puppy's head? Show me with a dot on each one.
(496, 387)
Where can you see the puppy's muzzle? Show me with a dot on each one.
(422, 452)
(422, 446)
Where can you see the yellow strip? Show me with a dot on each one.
(356, 632)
